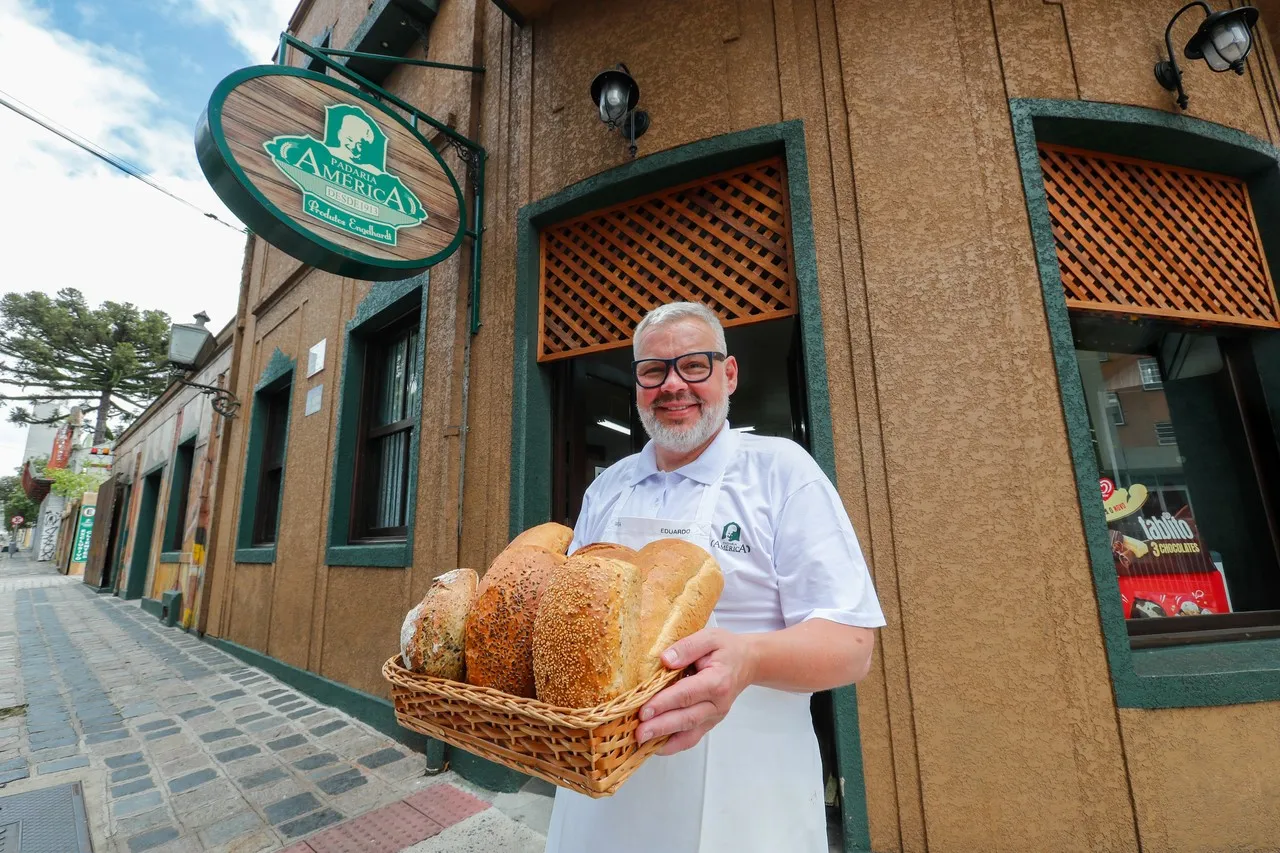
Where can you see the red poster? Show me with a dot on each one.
(1164, 566)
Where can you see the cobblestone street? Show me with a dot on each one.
(182, 747)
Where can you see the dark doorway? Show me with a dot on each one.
(145, 528)
(118, 535)
(595, 424)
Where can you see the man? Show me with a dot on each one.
(354, 135)
(741, 772)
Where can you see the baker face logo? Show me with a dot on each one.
(731, 539)
(344, 178)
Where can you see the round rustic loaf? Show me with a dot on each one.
(499, 629)
(552, 536)
(432, 637)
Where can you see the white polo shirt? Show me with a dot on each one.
(803, 562)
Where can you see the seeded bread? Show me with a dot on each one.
(432, 638)
(682, 585)
(552, 536)
(499, 629)
(586, 640)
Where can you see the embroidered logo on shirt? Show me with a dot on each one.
(731, 539)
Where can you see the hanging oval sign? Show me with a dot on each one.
(326, 173)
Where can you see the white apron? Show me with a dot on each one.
(753, 784)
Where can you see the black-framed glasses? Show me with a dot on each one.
(692, 367)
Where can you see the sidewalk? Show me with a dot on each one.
(182, 747)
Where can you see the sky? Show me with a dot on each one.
(133, 77)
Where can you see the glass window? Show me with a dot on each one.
(266, 513)
(392, 400)
(1188, 462)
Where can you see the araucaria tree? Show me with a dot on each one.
(111, 360)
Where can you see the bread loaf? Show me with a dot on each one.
(552, 536)
(682, 585)
(586, 640)
(432, 637)
(499, 629)
(608, 549)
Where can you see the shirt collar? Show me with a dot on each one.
(706, 469)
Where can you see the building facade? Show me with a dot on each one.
(970, 254)
(152, 534)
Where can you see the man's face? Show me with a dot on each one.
(677, 412)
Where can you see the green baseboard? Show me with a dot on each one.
(152, 606)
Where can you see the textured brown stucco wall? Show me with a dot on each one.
(986, 725)
(1204, 778)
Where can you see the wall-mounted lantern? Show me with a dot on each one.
(616, 93)
(1223, 41)
(189, 345)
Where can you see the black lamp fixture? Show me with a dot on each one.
(616, 93)
(189, 345)
(1223, 41)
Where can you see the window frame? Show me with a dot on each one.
(1172, 677)
(364, 487)
(276, 405)
(277, 379)
(1151, 362)
(179, 501)
(1114, 405)
(386, 304)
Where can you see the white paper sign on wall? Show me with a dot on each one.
(313, 400)
(315, 358)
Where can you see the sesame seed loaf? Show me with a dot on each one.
(552, 536)
(433, 636)
(682, 585)
(586, 640)
(499, 629)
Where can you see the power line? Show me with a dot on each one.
(102, 154)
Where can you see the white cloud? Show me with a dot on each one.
(254, 25)
(70, 220)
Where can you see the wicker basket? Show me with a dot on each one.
(589, 750)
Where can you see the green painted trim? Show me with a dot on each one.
(276, 376)
(148, 502)
(277, 366)
(183, 459)
(384, 302)
(1181, 677)
(278, 227)
(372, 710)
(170, 557)
(155, 608)
(388, 555)
(263, 554)
(530, 500)
(155, 466)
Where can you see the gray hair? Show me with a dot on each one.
(674, 311)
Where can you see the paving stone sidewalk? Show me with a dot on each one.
(182, 747)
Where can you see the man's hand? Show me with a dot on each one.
(688, 709)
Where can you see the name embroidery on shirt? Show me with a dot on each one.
(731, 539)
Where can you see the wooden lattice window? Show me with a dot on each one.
(724, 241)
(1150, 239)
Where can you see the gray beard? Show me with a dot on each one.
(684, 440)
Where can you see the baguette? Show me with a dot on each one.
(682, 585)
(552, 536)
(433, 635)
(499, 629)
(586, 639)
